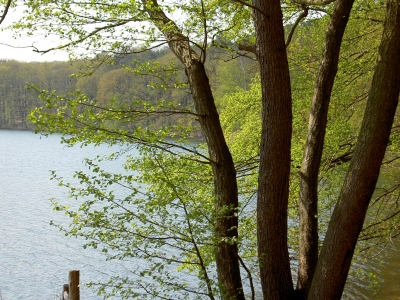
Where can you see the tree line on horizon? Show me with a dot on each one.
(110, 81)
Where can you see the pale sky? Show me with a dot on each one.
(25, 54)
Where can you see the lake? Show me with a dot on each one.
(35, 257)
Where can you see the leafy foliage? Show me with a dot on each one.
(161, 210)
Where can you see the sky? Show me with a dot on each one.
(19, 48)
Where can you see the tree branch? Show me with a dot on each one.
(313, 2)
(193, 241)
(203, 49)
(248, 48)
(301, 17)
(5, 11)
(251, 6)
(249, 274)
(92, 33)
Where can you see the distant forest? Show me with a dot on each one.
(128, 79)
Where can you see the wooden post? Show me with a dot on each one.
(74, 293)
(65, 292)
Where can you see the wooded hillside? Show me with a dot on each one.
(111, 81)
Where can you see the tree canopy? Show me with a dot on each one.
(287, 169)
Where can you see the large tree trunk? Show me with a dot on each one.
(273, 183)
(308, 208)
(224, 171)
(348, 217)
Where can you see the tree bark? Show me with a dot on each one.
(308, 208)
(349, 214)
(224, 172)
(224, 182)
(273, 183)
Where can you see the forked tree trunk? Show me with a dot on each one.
(273, 183)
(349, 214)
(224, 172)
(308, 208)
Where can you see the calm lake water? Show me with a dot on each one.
(35, 257)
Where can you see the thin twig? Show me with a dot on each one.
(249, 274)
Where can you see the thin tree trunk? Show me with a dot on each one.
(224, 171)
(224, 182)
(273, 183)
(349, 214)
(308, 208)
